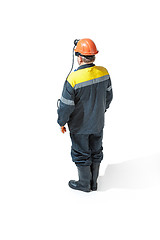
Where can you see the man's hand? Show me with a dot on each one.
(63, 129)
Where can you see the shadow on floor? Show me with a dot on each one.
(133, 174)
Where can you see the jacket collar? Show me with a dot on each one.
(86, 66)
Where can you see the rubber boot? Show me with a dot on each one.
(83, 184)
(95, 173)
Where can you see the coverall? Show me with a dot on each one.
(87, 94)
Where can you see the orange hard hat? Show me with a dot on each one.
(86, 47)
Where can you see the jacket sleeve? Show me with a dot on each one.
(66, 105)
(109, 94)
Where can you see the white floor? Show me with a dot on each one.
(126, 205)
(36, 202)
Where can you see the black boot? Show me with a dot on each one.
(95, 173)
(83, 184)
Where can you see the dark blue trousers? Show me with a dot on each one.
(86, 148)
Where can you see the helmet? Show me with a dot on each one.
(86, 47)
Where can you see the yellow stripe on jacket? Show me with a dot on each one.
(86, 74)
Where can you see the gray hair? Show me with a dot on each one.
(88, 59)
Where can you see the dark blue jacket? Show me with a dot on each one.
(87, 94)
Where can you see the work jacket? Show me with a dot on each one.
(87, 94)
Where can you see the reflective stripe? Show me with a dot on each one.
(109, 88)
(90, 82)
(66, 101)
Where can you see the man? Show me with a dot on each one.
(86, 96)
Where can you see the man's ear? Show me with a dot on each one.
(79, 60)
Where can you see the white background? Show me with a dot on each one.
(35, 166)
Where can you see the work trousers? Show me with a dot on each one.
(86, 148)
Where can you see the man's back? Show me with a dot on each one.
(89, 87)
